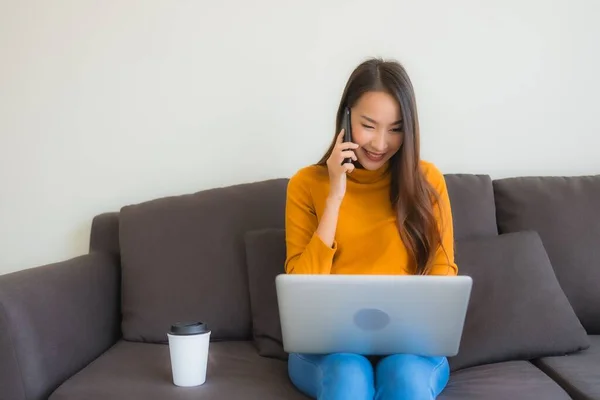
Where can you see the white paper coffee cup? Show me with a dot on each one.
(188, 348)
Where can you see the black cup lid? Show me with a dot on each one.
(188, 328)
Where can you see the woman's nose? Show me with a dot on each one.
(378, 143)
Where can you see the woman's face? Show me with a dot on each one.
(377, 128)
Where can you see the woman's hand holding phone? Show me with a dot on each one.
(338, 169)
(337, 187)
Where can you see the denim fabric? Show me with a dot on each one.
(352, 376)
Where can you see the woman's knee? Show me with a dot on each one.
(410, 376)
(334, 376)
(346, 376)
(347, 367)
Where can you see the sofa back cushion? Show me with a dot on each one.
(104, 233)
(472, 198)
(183, 258)
(565, 211)
(472, 202)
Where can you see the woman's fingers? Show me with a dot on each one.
(348, 154)
(347, 146)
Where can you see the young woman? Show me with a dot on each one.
(386, 213)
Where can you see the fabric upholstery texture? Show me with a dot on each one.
(472, 203)
(54, 320)
(235, 371)
(517, 309)
(578, 374)
(265, 254)
(183, 258)
(133, 370)
(565, 212)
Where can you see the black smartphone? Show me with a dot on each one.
(347, 126)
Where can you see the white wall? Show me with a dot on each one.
(108, 103)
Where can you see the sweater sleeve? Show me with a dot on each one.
(306, 252)
(443, 263)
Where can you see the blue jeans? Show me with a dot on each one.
(352, 376)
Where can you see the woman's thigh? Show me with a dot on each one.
(333, 376)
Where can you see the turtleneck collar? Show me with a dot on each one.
(362, 175)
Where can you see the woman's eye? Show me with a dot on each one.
(397, 129)
(367, 126)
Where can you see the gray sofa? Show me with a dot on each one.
(94, 327)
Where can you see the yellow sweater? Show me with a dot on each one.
(367, 240)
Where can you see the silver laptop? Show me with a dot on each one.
(372, 314)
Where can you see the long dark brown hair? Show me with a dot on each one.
(411, 195)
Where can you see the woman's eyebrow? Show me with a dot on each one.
(375, 122)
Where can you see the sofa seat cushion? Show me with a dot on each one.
(578, 374)
(131, 370)
(515, 380)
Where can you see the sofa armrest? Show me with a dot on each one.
(54, 320)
